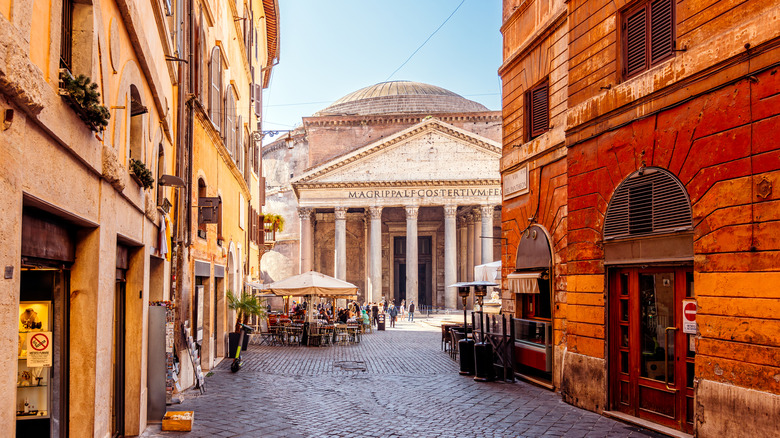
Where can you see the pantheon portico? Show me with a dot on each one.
(370, 194)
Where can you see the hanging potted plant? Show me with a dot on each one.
(141, 174)
(82, 95)
(245, 306)
(276, 221)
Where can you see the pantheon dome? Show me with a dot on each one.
(400, 97)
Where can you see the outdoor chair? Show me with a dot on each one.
(263, 336)
(327, 335)
(456, 335)
(342, 335)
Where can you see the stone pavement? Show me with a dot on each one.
(396, 383)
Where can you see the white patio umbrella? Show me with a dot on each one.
(314, 284)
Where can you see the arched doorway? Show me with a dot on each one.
(648, 247)
(531, 283)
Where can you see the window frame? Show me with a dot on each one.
(530, 116)
(649, 29)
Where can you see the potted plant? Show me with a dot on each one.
(141, 174)
(276, 221)
(245, 306)
(82, 95)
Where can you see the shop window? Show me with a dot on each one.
(215, 87)
(538, 306)
(537, 110)
(648, 35)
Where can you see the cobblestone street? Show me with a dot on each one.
(396, 383)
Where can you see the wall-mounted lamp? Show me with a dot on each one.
(288, 141)
(171, 181)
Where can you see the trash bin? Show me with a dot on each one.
(483, 362)
(380, 321)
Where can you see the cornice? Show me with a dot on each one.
(427, 126)
(390, 184)
(362, 120)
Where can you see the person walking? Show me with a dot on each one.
(374, 313)
(402, 309)
(411, 311)
(393, 312)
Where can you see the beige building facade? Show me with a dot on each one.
(83, 253)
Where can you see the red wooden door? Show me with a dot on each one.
(651, 359)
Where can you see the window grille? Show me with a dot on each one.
(648, 202)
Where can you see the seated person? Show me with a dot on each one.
(323, 315)
(343, 316)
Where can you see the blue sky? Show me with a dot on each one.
(330, 48)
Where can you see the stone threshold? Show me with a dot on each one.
(646, 424)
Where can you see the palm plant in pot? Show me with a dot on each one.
(246, 306)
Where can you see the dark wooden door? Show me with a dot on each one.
(651, 359)
(118, 362)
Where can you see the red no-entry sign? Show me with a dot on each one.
(689, 309)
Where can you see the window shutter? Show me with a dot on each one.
(661, 30)
(215, 95)
(635, 27)
(229, 125)
(262, 190)
(239, 143)
(539, 108)
(258, 99)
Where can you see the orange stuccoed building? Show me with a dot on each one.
(640, 156)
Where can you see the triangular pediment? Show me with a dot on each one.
(429, 151)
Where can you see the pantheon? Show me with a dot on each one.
(393, 175)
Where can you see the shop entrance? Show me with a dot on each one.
(118, 358)
(651, 360)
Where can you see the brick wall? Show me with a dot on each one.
(721, 146)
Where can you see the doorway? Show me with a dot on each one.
(651, 363)
(424, 270)
(118, 359)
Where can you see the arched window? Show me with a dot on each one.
(215, 87)
(160, 172)
(650, 201)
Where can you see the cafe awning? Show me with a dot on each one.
(488, 271)
(524, 282)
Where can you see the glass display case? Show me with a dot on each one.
(33, 390)
(533, 343)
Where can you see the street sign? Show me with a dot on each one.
(39, 352)
(689, 316)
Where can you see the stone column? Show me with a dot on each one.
(304, 213)
(376, 253)
(462, 252)
(469, 247)
(340, 262)
(450, 257)
(487, 233)
(477, 214)
(411, 255)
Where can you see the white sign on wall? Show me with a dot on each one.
(516, 183)
(39, 349)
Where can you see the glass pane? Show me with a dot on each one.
(624, 284)
(624, 362)
(624, 336)
(624, 310)
(656, 310)
(690, 372)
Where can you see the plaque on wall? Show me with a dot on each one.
(515, 183)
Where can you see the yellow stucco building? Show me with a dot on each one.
(91, 238)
